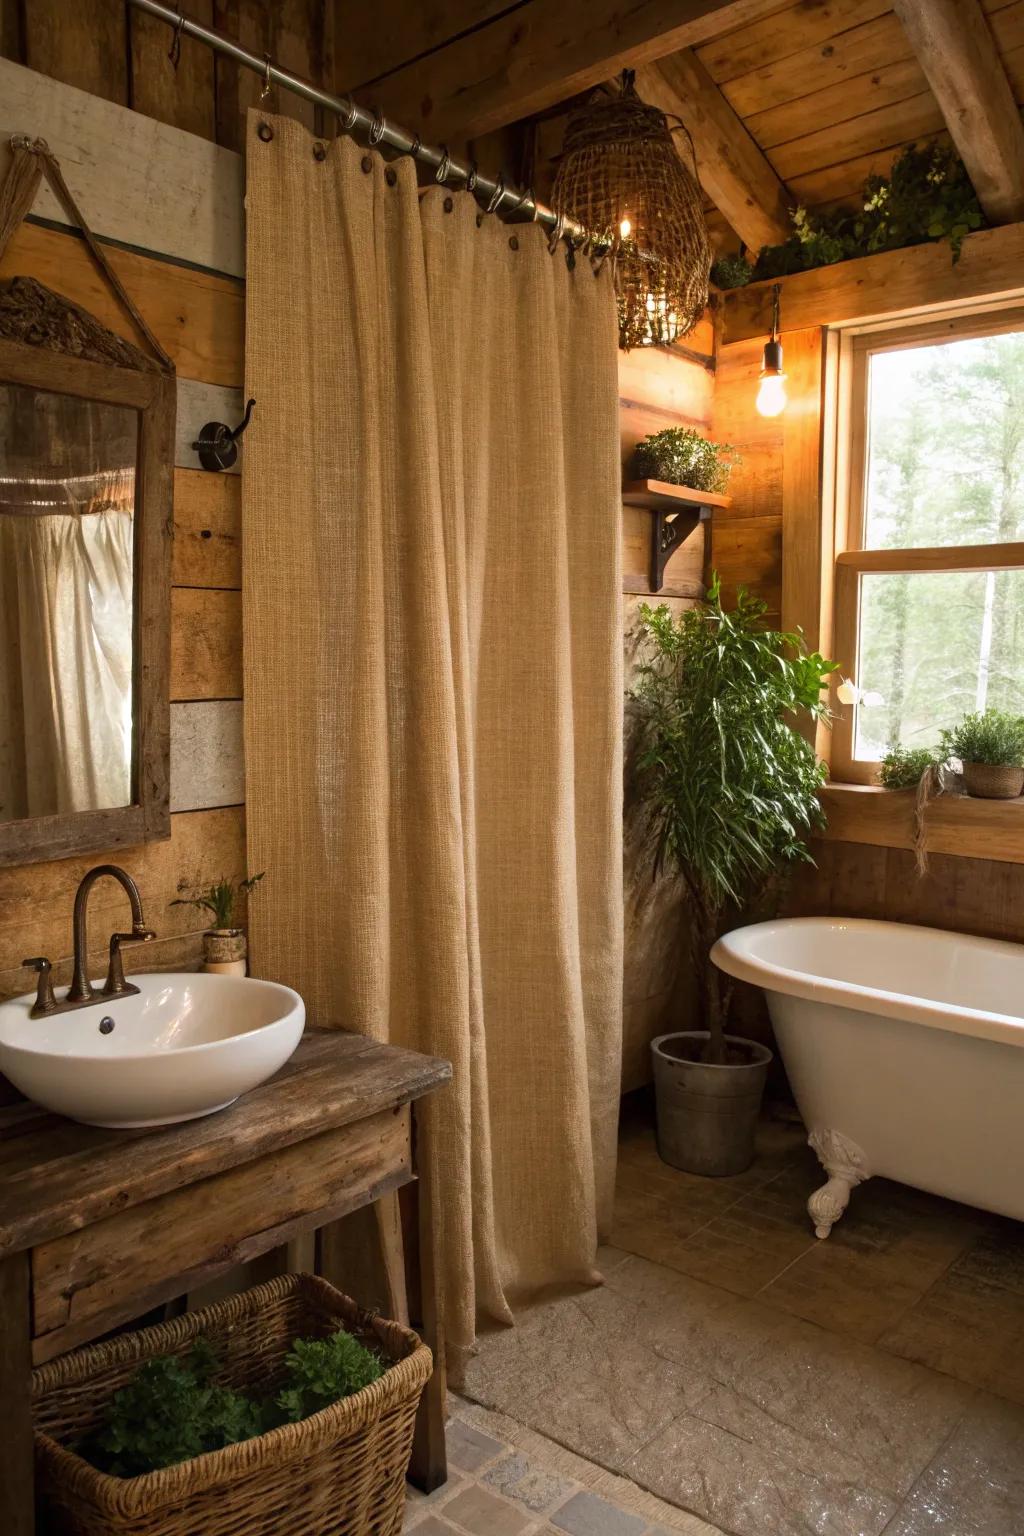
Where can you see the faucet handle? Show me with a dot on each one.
(45, 1001)
(115, 983)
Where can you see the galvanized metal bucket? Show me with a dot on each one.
(707, 1114)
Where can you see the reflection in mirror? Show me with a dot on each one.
(67, 537)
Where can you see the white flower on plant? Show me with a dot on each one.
(849, 693)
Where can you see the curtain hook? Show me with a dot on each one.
(497, 196)
(174, 52)
(376, 132)
(441, 174)
(557, 232)
(350, 113)
(471, 179)
(415, 147)
(265, 92)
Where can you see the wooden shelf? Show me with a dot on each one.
(677, 511)
(957, 824)
(670, 498)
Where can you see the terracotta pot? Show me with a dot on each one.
(224, 951)
(993, 781)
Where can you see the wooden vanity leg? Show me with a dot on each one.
(17, 1480)
(428, 1468)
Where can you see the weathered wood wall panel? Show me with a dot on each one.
(112, 52)
(176, 194)
(658, 388)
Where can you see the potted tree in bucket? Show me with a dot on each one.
(732, 789)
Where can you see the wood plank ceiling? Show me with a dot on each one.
(819, 93)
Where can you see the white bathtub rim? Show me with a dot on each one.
(731, 954)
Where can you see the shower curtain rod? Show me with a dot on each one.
(377, 130)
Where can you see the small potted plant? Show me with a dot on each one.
(224, 946)
(732, 790)
(990, 747)
(680, 456)
(905, 767)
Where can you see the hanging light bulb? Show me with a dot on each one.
(771, 392)
(625, 227)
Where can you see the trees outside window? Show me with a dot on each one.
(930, 589)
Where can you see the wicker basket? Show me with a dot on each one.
(993, 781)
(340, 1472)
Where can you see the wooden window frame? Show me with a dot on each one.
(852, 560)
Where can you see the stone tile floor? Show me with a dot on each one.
(505, 1480)
(773, 1385)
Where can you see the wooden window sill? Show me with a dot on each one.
(957, 824)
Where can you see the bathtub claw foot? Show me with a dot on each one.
(846, 1166)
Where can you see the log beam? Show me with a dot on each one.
(731, 168)
(958, 54)
(539, 54)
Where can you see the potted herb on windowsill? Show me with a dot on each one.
(905, 767)
(732, 790)
(990, 747)
(224, 944)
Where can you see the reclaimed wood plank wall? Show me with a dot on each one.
(658, 388)
(181, 199)
(108, 50)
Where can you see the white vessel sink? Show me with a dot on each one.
(187, 1044)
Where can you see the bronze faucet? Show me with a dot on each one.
(81, 991)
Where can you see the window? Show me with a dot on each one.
(929, 590)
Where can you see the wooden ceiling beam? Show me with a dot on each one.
(730, 166)
(539, 54)
(961, 62)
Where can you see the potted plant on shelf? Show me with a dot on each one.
(990, 747)
(224, 945)
(680, 456)
(732, 790)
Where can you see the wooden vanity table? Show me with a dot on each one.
(97, 1226)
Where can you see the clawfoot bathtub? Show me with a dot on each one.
(905, 1050)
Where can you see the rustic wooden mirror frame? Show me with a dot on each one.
(57, 363)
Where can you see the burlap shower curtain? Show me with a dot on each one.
(433, 680)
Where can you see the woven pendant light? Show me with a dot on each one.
(621, 175)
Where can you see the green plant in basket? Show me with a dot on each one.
(173, 1408)
(993, 737)
(680, 456)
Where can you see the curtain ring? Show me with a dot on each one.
(471, 179)
(350, 114)
(376, 131)
(265, 92)
(557, 232)
(415, 146)
(497, 195)
(441, 174)
(174, 52)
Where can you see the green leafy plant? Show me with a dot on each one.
(927, 195)
(680, 456)
(731, 785)
(321, 1371)
(172, 1408)
(169, 1411)
(732, 271)
(219, 899)
(991, 737)
(903, 767)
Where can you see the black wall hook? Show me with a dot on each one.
(217, 444)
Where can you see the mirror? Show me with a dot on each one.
(67, 553)
(85, 520)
